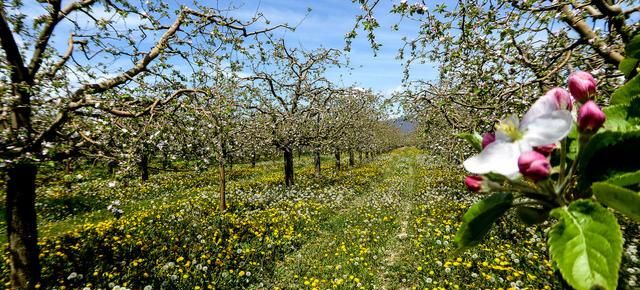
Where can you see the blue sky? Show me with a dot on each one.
(326, 26)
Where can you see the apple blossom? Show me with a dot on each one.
(488, 138)
(474, 182)
(545, 149)
(545, 123)
(562, 98)
(582, 85)
(534, 165)
(554, 99)
(590, 117)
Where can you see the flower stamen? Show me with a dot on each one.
(509, 127)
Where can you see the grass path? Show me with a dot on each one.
(362, 242)
(397, 246)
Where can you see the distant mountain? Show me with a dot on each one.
(406, 126)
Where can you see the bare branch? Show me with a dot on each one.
(19, 72)
(586, 33)
(57, 66)
(55, 17)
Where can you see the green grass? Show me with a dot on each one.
(51, 227)
(385, 224)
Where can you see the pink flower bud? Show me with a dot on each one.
(582, 85)
(590, 117)
(488, 138)
(474, 182)
(546, 149)
(562, 98)
(534, 165)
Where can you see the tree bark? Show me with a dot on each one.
(165, 160)
(352, 159)
(222, 178)
(111, 165)
(22, 227)
(67, 166)
(337, 155)
(230, 161)
(288, 167)
(317, 165)
(144, 166)
(578, 24)
(222, 185)
(253, 160)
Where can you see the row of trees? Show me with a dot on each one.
(141, 81)
(496, 57)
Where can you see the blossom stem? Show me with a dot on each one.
(524, 186)
(534, 202)
(563, 159)
(582, 140)
(550, 202)
(529, 191)
(548, 186)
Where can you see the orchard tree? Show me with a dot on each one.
(482, 46)
(288, 81)
(214, 119)
(252, 136)
(45, 86)
(349, 114)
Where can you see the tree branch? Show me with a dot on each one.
(610, 56)
(55, 17)
(19, 72)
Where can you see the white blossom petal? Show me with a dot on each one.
(498, 157)
(548, 129)
(513, 121)
(543, 106)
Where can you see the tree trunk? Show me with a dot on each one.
(22, 227)
(253, 160)
(222, 184)
(144, 166)
(360, 156)
(67, 166)
(288, 167)
(337, 155)
(367, 155)
(112, 167)
(316, 161)
(165, 161)
(352, 159)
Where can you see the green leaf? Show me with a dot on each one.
(625, 179)
(619, 198)
(628, 66)
(609, 153)
(586, 244)
(495, 177)
(633, 47)
(623, 117)
(532, 215)
(625, 93)
(477, 221)
(473, 138)
(572, 150)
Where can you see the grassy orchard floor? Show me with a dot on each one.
(386, 224)
(61, 209)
